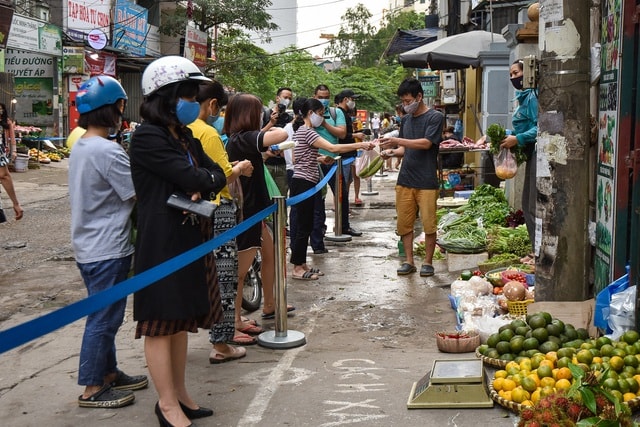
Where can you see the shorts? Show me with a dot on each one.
(410, 201)
(251, 238)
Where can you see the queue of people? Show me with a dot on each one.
(177, 149)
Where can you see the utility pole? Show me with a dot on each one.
(563, 168)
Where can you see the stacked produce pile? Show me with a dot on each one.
(541, 356)
(486, 222)
(47, 157)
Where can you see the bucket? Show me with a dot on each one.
(22, 163)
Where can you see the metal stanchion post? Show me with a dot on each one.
(337, 203)
(281, 337)
(369, 191)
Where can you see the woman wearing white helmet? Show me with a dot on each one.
(102, 197)
(165, 158)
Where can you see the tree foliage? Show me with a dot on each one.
(223, 15)
(360, 44)
(353, 35)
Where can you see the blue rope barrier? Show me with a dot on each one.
(32, 329)
(35, 328)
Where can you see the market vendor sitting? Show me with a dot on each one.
(451, 160)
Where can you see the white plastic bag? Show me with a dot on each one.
(363, 161)
(622, 312)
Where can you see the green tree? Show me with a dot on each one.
(353, 35)
(244, 67)
(360, 44)
(223, 15)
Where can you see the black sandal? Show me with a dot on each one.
(107, 397)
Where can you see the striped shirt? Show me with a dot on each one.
(306, 155)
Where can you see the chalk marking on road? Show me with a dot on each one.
(343, 418)
(270, 385)
(452, 420)
(352, 371)
(361, 388)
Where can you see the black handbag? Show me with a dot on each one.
(183, 202)
(3, 217)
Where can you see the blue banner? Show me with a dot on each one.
(130, 28)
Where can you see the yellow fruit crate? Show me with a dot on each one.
(518, 308)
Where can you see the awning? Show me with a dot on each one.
(404, 40)
(453, 52)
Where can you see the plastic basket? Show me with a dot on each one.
(457, 345)
(518, 308)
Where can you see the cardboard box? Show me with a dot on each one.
(578, 313)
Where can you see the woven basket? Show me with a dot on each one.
(457, 345)
(518, 308)
(497, 363)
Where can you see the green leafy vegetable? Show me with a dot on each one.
(496, 133)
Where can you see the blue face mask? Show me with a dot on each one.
(325, 103)
(217, 122)
(187, 111)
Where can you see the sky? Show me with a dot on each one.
(323, 16)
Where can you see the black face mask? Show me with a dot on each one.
(517, 82)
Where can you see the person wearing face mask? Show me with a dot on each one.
(345, 101)
(166, 158)
(417, 186)
(525, 131)
(306, 176)
(222, 264)
(278, 117)
(102, 197)
(332, 128)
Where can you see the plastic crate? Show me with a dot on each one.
(518, 308)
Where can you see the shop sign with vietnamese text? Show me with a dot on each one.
(33, 86)
(83, 16)
(130, 28)
(195, 46)
(35, 36)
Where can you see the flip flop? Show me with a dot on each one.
(268, 316)
(315, 271)
(236, 353)
(251, 330)
(243, 339)
(249, 321)
(307, 275)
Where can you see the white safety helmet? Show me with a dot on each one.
(169, 69)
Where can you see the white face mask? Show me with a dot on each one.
(411, 108)
(284, 101)
(316, 120)
(351, 105)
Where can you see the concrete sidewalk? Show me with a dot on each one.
(370, 335)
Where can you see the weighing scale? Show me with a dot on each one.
(451, 384)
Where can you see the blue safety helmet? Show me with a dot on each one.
(97, 92)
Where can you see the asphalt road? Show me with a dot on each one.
(369, 333)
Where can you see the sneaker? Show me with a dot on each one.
(107, 397)
(352, 232)
(127, 382)
(320, 251)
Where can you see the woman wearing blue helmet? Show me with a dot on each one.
(102, 197)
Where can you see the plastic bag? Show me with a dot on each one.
(364, 160)
(622, 313)
(271, 184)
(505, 164)
(603, 299)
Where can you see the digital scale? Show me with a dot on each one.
(451, 384)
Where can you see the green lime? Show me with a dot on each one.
(466, 275)
(630, 337)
